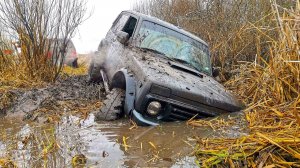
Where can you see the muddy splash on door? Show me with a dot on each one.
(104, 144)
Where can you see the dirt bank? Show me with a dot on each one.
(69, 93)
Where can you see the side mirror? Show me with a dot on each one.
(215, 72)
(122, 37)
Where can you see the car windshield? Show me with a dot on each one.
(175, 45)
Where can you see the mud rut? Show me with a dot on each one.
(74, 89)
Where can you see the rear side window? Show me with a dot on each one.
(130, 25)
(121, 23)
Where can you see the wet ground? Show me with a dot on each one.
(54, 127)
(67, 88)
(103, 144)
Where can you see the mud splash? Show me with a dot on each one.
(104, 144)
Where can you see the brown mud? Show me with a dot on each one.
(104, 144)
(73, 90)
(54, 127)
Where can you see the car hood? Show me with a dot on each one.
(183, 81)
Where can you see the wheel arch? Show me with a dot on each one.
(125, 80)
(119, 80)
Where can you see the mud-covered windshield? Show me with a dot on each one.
(175, 45)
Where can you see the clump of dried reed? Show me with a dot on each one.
(271, 88)
(14, 76)
(70, 71)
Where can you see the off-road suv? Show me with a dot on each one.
(154, 71)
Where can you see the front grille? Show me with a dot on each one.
(180, 113)
(175, 110)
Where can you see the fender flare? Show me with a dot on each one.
(125, 80)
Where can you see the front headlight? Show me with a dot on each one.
(154, 108)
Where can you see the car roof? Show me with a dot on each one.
(166, 24)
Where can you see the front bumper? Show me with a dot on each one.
(143, 121)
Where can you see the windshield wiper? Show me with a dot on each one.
(184, 62)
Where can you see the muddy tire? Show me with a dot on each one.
(94, 74)
(113, 106)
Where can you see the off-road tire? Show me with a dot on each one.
(94, 74)
(113, 106)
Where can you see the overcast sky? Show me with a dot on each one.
(95, 28)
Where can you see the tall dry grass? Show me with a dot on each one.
(271, 89)
(256, 43)
(223, 24)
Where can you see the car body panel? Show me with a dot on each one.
(203, 89)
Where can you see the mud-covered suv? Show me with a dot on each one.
(154, 71)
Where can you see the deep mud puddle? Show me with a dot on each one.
(103, 144)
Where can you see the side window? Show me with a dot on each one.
(120, 23)
(130, 25)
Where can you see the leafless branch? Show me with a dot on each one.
(42, 26)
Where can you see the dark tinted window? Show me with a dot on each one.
(130, 25)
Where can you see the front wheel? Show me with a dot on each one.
(113, 106)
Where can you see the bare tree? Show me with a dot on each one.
(41, 27)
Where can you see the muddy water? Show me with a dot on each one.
(104, 144)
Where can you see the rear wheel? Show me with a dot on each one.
(113, 106)
(94, 74)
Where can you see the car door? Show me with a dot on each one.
(115, 49)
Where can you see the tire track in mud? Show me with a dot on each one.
(75, 89)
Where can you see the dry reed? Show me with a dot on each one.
(271, 89)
